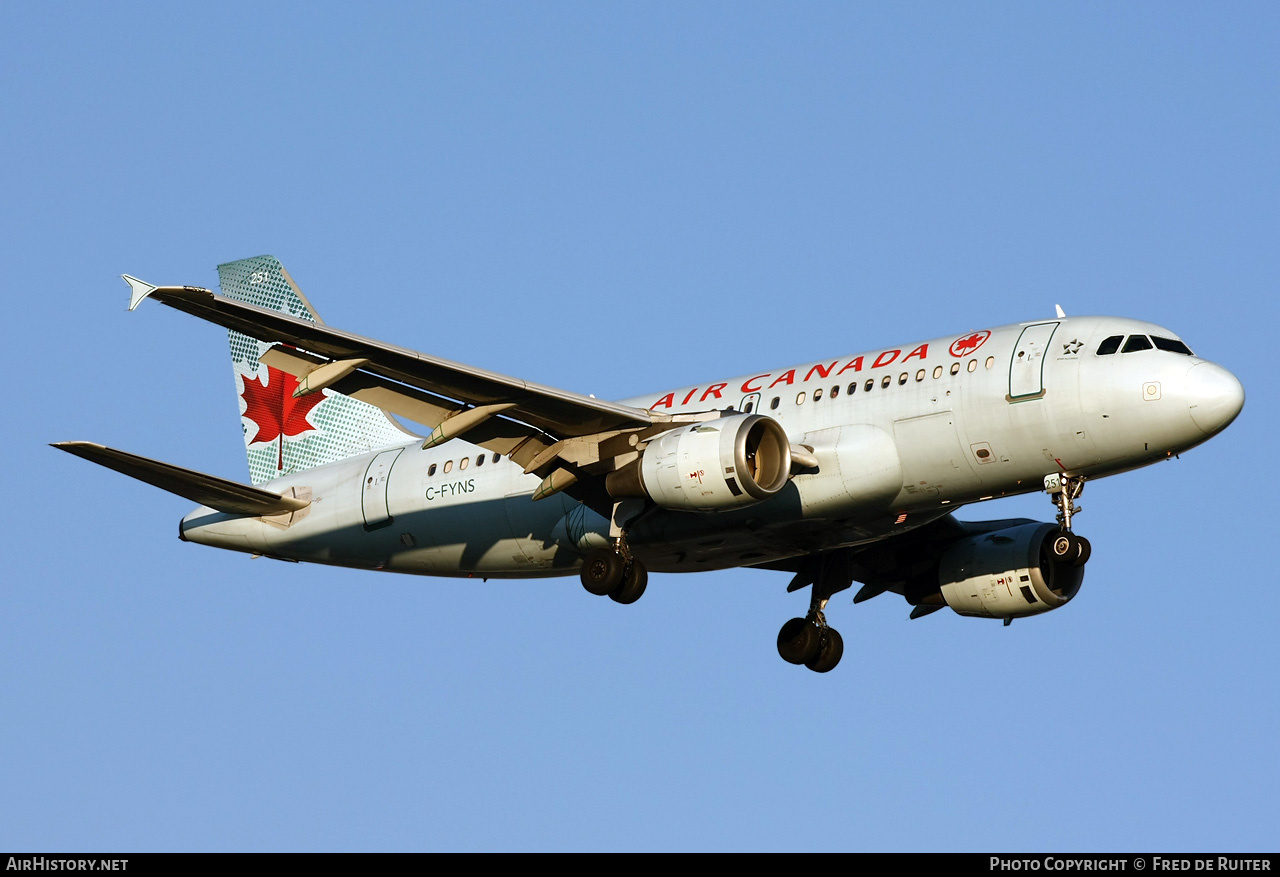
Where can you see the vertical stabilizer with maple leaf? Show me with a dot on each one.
(283, 434)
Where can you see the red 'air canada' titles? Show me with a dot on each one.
(767, 381)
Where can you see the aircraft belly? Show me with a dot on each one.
(680, 542)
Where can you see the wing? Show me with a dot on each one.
(549, 409)
(906, 564)
(541, 428)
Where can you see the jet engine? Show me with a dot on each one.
(1007, 573)
(710, 466)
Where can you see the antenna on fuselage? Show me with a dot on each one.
(1061, 312)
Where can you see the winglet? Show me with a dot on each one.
(140, 290)
(1061, 312)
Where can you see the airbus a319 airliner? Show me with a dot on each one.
(838, 471)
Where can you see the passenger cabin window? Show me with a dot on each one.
(774, 404)
(853, 388)
(955, 368)
(885, 382)
(1135, 343)
(800, 398)
(902, 379)
(496, 456)
(1172, 345)
(937, 372)
(448, 465)
(973, 365)
(991, 361)
(871, 382)
(462, 464)
(480, 460)
(431, 470)
(835, 391)
(817, 395)
(920, 376)
(1110, 345)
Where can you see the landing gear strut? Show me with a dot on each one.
(1067, 547)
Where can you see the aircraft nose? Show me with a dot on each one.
(1214, 395)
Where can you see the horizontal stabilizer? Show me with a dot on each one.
(216, 493)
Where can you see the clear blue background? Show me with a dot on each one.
(617, 198)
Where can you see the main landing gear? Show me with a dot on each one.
(612, 573)
(810, 640)
(1067, 547)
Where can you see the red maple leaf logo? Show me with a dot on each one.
(968, 344)
(271, 407)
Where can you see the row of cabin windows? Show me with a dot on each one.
(1142, 342)
(870, 383)
(462, 464)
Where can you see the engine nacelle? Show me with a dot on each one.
(1007, 573)
(712, 465)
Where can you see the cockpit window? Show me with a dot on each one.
(1137, 342)
(1173, 345)
(1110, 345)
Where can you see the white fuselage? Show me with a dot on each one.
(902, 436)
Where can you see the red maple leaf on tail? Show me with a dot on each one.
(271, 407)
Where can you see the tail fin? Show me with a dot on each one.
(283, 434)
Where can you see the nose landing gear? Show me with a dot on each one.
(1064, 490)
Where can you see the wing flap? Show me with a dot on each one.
(226, 496)
(498, 434)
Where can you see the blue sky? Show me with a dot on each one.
(616, 198)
